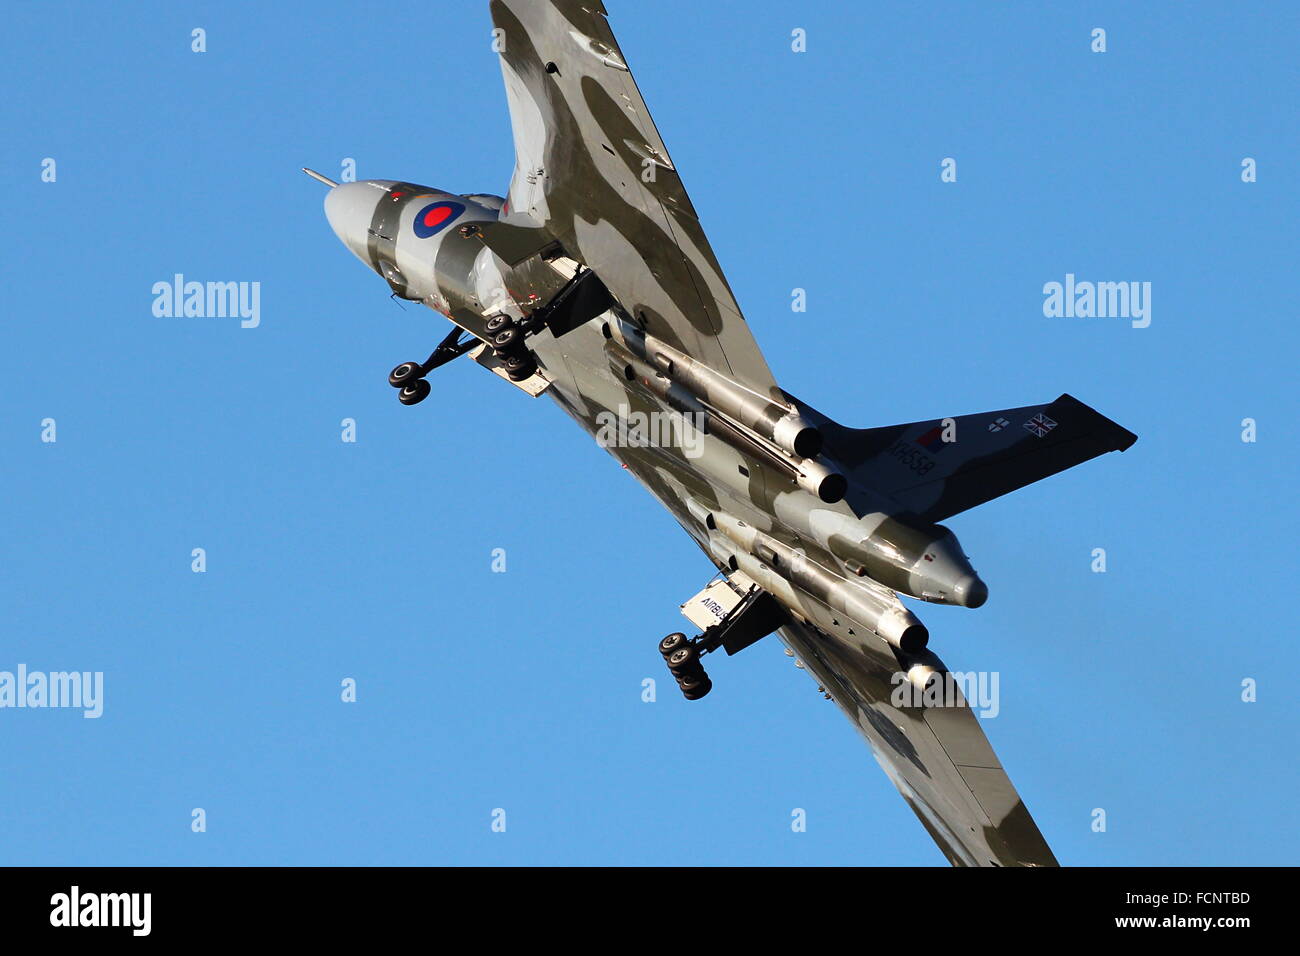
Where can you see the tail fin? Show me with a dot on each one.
(945, 466)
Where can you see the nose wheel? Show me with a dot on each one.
(504, 335)
(408, 373)
(415, 393)
(409, 377)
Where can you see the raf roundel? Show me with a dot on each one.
(436, 217)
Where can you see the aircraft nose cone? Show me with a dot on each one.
(970, 591)
(349, 208)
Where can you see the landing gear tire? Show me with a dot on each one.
(499, 323)
(414, 393)
(672, 642)
(520, 367)
(690, 682)
(405, 374)
(698, 692)
(507, 339)
(683, 661)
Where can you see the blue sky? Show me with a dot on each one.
(371, 560)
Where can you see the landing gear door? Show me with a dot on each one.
(718, 599)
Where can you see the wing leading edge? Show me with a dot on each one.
(593, 174)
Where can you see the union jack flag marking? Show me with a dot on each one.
(998, 425)
(1040, 425)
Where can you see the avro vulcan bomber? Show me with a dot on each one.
(591, 282)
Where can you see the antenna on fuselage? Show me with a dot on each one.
(318, 177)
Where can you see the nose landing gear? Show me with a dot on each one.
(414, 393)
(406, 374)
(409, 377)
(504, 335)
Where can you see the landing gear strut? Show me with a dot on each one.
(504, 335)
(409, 376)
(757, 615)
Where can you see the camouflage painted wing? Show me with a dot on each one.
(993, 453)
(593, 174)
(937, 757)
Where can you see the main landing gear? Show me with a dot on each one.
(757, 615)
(505, 337)
(683, 659)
